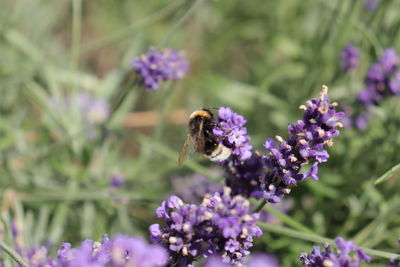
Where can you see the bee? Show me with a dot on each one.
(201, 138)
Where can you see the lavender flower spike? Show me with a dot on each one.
(270, 176)
(350, 58)
(220, 226)
(155, 67)
(230, 127)
(119, 251)
(346, 255)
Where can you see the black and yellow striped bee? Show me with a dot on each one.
(201, 138)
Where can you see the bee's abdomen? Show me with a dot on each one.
(209, 145)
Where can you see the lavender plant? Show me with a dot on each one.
(350, 58)
(270, 176)
(382, 81)
(347, 254)
(220, 225)
(118, 251)
(246, 56)
(156, 66)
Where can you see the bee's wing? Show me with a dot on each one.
(188, 148)
(200, 138)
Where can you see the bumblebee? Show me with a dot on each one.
(201, 138)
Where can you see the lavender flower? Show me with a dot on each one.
(96, 110)
(119, 251)
(350, 58)
(371, 5)
(395, 262)
(214, 261)
(284, 206)
(270, 176)
(256, 260)
(193, 188)
(347, 254)
(117, 180)
(230, 128)
(382, 80)
(35, 257)
(88, 111)
(220, 225)
(156, 67)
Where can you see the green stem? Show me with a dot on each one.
(160, 126)
(163, 111)
(119, 99)
(260, 206)
(287, 219)
(319, 239)
(13, 254)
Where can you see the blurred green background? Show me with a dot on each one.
(262, 58)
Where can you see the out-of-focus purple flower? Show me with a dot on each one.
(270, 176)
(395, 262)
(371, 5)
(92, 111)
(214, 261)
(361, 121)
(95, 110)
(262, 260)
(117, 180)
(220, 225)
(230, 128)
(350, 58)
(193, 188)
(347, 254)
(284, 206)
(155, 67)
(382, 79)
(255, 260)
(119, 251)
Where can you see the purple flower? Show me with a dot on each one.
(382, 79)
(371, 5)
(92, 111)
(155, 67)
(347, 254)
(284, 206)
(262, 260)
(230, 128)
(255, 260)
(271, 176)
(117, 180)
(215, 262)
(96, 110)
(395, 262)
(350, 58)
(220, 225)
(119, 251)
(192, 188)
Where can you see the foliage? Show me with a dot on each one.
(261, 58)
